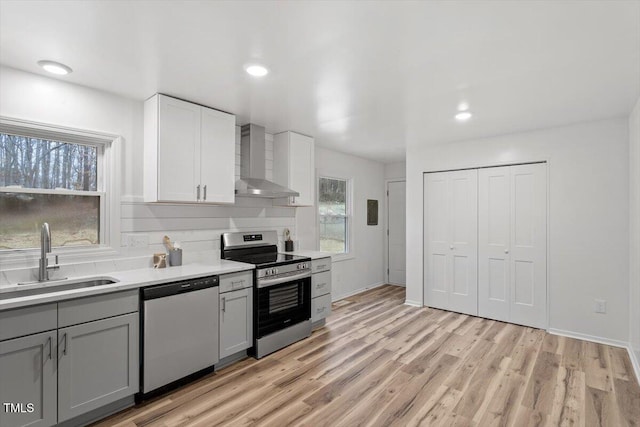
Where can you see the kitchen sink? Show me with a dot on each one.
(58, 287)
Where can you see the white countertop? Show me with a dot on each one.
(130, 279)
(310, 254)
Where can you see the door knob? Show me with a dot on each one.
(451, 247)
(506, 251)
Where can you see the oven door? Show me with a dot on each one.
(281, 305)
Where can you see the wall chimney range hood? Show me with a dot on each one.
(253, 182)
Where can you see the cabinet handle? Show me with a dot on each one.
(198, 193)
(320, 310)
(506, 251)
(237, 282)
(321, 266)
(64, 349)
(224, 303)
(49, 342)
(205, 192)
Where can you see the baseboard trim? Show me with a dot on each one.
(359, 291)
(634, 361)
(412, 303)
(587, 337)
(600, 340)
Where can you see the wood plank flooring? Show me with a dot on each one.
(381, 363)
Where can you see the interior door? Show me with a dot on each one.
(512, 268)
(436, 240)
(396, 202)
(528, 250)
(494, 233)
(450, 240)
(463, 194)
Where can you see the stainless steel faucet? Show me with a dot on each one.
(45, 248)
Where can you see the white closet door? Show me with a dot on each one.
(451, 229)
(529, 245)
(494, 240)
(512, 250)
(436, 240)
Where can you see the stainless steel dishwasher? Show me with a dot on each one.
(179, 331)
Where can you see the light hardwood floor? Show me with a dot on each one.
(379, 362)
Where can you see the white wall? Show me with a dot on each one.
(46, 100)
(365, 268)
(588, 216)
(634, 243)
(396, 170)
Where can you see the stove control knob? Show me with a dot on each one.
(275, 271)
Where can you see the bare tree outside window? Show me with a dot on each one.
(333, 209)
(44, 180)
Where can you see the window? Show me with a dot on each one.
(54, 181)
(334, 215)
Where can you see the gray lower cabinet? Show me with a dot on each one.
(28, 381)
(236, 321)
(97, 364)
(320, 291)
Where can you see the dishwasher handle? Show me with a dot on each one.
(174, 288)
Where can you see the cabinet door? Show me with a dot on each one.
(450, 241)
(217, 156)
(97, 364)
(236, 321)
(302, 169)
(28, 377)
(512, 244)
(178, 150)
(294, 167)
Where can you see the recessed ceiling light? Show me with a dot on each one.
(463, 106)
(256, 70)
(55, 67)
(463, 116)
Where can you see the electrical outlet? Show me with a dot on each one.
(137, 240)
(599, 306)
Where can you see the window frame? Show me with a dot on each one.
(107, 189)
(349, 254)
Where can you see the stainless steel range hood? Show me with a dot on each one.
(253, 182)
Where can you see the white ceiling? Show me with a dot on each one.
(362, 77)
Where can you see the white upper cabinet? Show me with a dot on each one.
(189, 152)
(294, 166)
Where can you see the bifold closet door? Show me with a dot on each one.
(451, 240)
(512, 244)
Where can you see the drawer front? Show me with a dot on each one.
(320, 307)
(88, 309)
(29, 320)
(320, 284)
(322, 264)
(235, 281)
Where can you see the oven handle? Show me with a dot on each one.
(265, 283)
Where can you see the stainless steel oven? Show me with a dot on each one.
(282, 289)
(282, 304)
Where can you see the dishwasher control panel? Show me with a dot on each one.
(172, 288)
